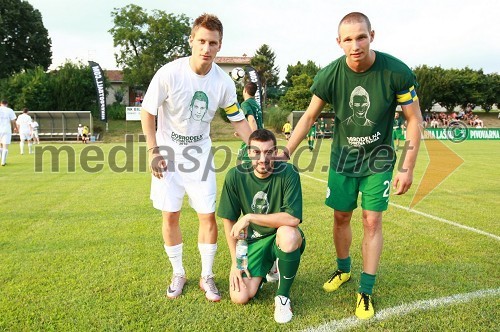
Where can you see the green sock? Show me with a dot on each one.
(288, 265)
(344, 264)
(366, 283)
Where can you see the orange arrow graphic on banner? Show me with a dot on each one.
(442, 162)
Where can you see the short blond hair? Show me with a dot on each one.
(208, 21)
(356, 17)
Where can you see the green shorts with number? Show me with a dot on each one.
(262, 254)
(342, 192)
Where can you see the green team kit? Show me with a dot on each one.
(398, 129)
(364, 105)
(250, 107)
(244, 193)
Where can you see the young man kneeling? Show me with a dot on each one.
(267, 195)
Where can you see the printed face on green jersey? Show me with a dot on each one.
(260, 204)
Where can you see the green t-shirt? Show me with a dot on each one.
(250, 107)
(364, 105)
(397, 123)
(245, 193)
(322, 125)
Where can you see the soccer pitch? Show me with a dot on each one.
(82, 250)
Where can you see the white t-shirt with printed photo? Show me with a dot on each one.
(186, 104)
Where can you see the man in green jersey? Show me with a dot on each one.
(253, 114)
(364, 87)
(397, 133)
(322, 127)
(264, 200)
(311, 136)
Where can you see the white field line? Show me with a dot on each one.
(404, 309)
(475, 230)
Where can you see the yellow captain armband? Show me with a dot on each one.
(407, 96)
(232, 110)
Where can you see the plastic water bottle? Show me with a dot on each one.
(242, 252)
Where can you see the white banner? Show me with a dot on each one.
(133, 114)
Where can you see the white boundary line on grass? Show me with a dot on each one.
(449, 222)
(404, 309)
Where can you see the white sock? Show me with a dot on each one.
(30, 147)
(21, 145)
(4, 156)
(207, 253)
(174, 254)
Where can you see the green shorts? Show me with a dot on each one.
(342, 192)
(398, 134)
(262, 254)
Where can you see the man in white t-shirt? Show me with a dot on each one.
(7, 126)
(185, 94)
(34, 132)
(24, 127)
(79, 133)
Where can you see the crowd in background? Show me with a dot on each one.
(442, 119)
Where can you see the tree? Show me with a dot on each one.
(263, 62)
(297, 97)
(310, 69)
(74, 88)
(147, 42)
(24, 41)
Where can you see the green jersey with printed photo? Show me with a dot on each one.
(364, 105)
(245, 193)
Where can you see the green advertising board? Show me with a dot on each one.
(461, 133)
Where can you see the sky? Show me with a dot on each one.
(442, 33)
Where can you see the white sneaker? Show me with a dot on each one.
(207, 284)
(273, 274)
(282, 310)
(175, 288)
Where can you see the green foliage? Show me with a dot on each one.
(74, 88)
(116, 111)
(32, 89)
(147, 42)
(119, 95)
(275, 118)
(297, 97)
(310, 69)
(456, 87)
(263, 62)
(24, 41)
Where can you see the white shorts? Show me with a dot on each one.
(5, 138)
(35, 134)
(197, 180)
(26, 136)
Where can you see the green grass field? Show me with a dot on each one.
(82, 251)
